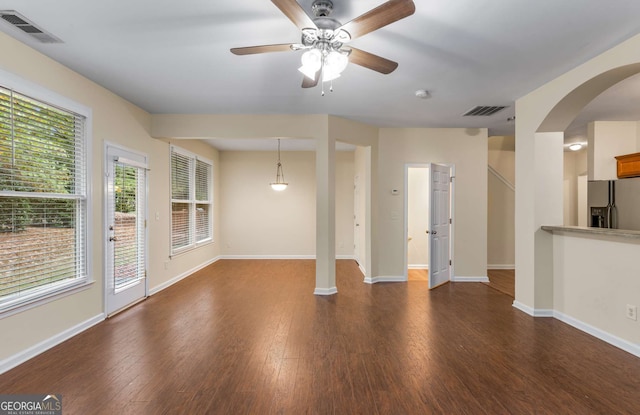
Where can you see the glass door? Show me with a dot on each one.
(125, 271)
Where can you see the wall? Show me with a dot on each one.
(464, 148)
(418, 218)
(591, 293)
(607, 139)
(260, 222)
(115, 120)
(542, 116)
(575, 165)
(501, 203)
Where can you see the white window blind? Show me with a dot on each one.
(43, 204)
(191, 201)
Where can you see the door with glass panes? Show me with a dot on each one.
(126, 239)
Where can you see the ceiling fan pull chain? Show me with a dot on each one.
(331, 86)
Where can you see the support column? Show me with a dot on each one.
(539, 201)
(325, 217)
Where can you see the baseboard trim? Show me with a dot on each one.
(325, 291)
(616, 341)
(534, 312)
(182, 276)
(267, 257)
(362, 269)
(375, 280)
(470, 279)
(418, 266)
(606, 337)
(280, 257)
(501, 266)
(33, 351)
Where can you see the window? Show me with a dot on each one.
(43, 200)
(190, 200)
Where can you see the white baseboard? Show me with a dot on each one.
(280, 257)
(483, 278)
(325, 291)
(418, 266)
(21, 357)
(375, 280)
(534, 312)
(182, 276)
(362, 269)
(616, 341)
(501, 266)
(267, 257)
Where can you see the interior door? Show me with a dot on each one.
(126, 205)
(439, 226)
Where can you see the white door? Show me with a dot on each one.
(126, 206)
(439, 226)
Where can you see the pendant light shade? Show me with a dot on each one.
(279, 185)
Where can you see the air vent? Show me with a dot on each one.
(19, 21)
(482, 111)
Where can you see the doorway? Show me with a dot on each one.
(428, 223)
(125, 223)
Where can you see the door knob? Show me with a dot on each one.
(432, 232)
(112, 239)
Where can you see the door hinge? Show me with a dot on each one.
(451, 178)
(145, 223)
(450, 262)
(450, 221)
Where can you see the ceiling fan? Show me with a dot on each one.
(324, 39)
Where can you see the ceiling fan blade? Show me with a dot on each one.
(374, 19)
(371, 61)
(295, 13)
(251, 50)
(310, 83)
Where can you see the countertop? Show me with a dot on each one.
(622, 233)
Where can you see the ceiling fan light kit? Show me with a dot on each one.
(323, 39)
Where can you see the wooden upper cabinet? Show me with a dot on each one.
(628, 165)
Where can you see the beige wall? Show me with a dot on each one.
(259, 222)
(418, 217)
(115, 121)
(575, 165)
(542, 116)
(607, 139)
(464, 148)
(501, 203)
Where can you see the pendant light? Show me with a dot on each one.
(279, 185)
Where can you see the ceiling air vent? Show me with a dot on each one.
(483, 111)
(19, 21)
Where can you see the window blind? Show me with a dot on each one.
(191, 201)
(42, 198)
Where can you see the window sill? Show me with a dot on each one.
(191, 248)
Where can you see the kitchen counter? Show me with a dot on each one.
(622, 233)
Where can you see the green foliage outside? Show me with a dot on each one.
(37, 154)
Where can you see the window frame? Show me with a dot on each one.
(56, 290)
(192, 202)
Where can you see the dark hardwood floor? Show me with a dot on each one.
(503, 280)
(249, 337)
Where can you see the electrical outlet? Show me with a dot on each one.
(166, 264)
(632, 312)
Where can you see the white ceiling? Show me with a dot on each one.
(173, 57)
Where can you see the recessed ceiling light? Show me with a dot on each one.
(575, 147)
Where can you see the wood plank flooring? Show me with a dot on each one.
(418, 275)
(249, 337)
(503, 280)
